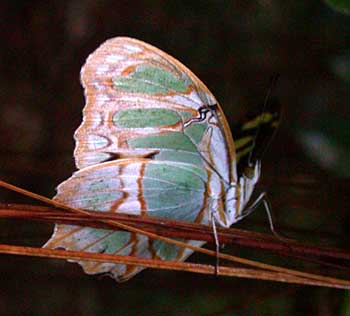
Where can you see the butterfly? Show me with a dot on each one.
(154, 142)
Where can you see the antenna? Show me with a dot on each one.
(273, 82)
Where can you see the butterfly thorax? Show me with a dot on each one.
(229, 206)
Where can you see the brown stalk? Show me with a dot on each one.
(116, 224)
(165, 265)
(174, 229)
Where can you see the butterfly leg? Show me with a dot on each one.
(262, 198)
(217, 245)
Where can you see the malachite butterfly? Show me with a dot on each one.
(154, 142)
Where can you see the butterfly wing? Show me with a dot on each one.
(137, 95)
(139, 186)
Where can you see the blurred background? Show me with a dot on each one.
(234, 47)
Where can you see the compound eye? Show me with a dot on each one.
(249, 172)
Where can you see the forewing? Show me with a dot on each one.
(139, 101)
(147, 188)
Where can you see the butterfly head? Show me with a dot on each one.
(247, 181)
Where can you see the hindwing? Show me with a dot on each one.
(142, 187)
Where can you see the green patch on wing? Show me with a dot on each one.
(108, 242)
(99, 193)
(173, 192)
(96, 141)
(185, 115)
(151, 80)
(174, 146)
(174, 140)
(96, 193)
(196, 131)
(180, 176)
(166, 251)
(141, 118)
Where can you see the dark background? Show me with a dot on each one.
(234, 47)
